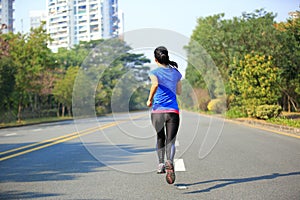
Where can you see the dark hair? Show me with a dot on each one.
(161, 55)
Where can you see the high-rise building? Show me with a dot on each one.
(72, 21)
(121, 24)
(60, 23)
(37, 17)
(6, 15)
(110, 18)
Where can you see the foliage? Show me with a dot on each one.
(254, 82)
(194, 77)
(30, 58)
(236, 112)
(257, 58)
(187, 99)
(228, 41)
(289, 63)
(202, 72)
(267, 111)
(34, 82)
(225, 39)
(137, 100)
(7, 81)
(63, 88)
(285, 121)
(4, 44)
(216, 106)
(118, 73)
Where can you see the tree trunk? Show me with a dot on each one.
(19, 111)
(69, 111)
(63, 110)
(289, 104)
(58, 106)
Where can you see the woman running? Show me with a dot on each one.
(166, 84)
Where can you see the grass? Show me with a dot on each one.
(287, 119)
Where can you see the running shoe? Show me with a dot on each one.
(161, 168)
(170, 177)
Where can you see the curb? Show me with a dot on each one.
(277, 127)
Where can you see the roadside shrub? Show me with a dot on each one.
(267, 111)
(217, 105)
(251, 111)
(254, 82)
(236, 112)
(202, 98)
(100, 110)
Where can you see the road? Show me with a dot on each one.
(113, 157)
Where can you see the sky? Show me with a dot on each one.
(175, 15)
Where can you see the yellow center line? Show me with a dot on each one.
(60, 139)
(45, 141)
(57, 142)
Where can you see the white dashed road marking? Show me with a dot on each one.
(179, 165)
(36, 130)
(176, 143)
(10, 134)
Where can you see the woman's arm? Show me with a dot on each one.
(178, 88)
(153, 89)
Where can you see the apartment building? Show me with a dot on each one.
(72, 21)
(6, 16)
(110, 25)
(37, 17)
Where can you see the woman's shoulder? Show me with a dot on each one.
(156, 70)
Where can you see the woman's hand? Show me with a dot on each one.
(149, 103)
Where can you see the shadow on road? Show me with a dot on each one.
(61, 162)
(226, 182)
(25, 195)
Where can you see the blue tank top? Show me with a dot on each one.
(165, 99)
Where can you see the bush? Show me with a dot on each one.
(100, 110)
(235, 112)
(254, 82)
(267, 111)
(217, 105)
(202, 98)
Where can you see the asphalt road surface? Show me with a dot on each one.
(114, 157)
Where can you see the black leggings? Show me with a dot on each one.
(165, 142)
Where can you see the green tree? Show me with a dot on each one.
(106, 63)
(228, 39)
(225, 39)
(289, 62)
(7, 82)
(31, 57)
(63, 90)
(66, 58)
(254, 82)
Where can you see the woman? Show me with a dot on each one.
(166, 84)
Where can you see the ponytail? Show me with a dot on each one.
(173, 64)
(161, 55)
